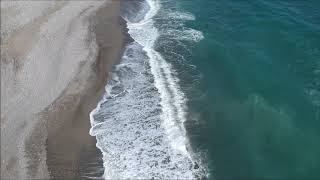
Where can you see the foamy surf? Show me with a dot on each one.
(139, 122)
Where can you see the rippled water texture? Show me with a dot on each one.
(228, 89)
(256, 105)
(139, 125)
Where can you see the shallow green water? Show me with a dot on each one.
(255, 105)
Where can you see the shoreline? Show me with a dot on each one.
(109, 32)
(53, 140)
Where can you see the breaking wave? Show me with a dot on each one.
(139, 123)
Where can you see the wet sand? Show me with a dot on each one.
(45, 125)
(81, 157)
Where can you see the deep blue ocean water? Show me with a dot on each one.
(214, 89)
(254, 91)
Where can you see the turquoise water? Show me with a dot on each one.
(253, 85)
(218, 89)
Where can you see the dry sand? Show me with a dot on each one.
(53, 71)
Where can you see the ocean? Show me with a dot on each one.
(214, 89)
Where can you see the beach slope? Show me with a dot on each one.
(54, 61)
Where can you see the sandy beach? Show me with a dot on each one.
(54, 62)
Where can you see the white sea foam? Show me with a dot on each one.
(182, 16)
(176, 29)
(139, 122)
(128, 126)
(187, 34)
(173, 109)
